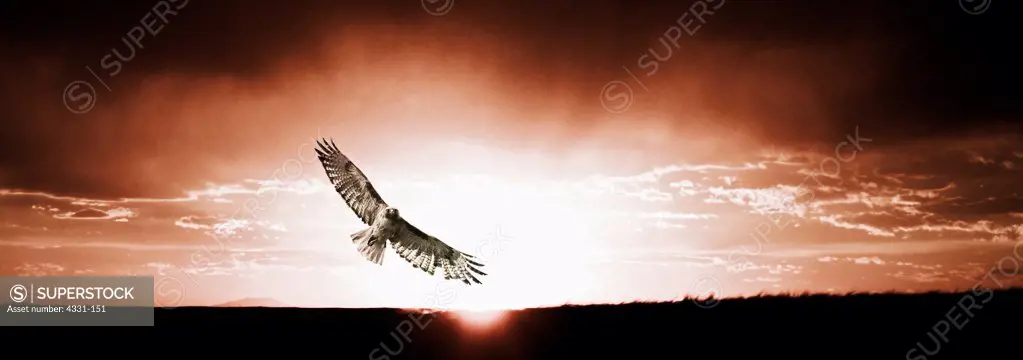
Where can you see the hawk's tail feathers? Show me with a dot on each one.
(374, 253)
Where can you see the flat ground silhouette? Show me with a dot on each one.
(866, 326)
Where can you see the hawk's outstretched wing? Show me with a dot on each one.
(350, 182)
(428, 253)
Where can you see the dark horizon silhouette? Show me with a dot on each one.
(883, 326)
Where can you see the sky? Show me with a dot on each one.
(587, 152)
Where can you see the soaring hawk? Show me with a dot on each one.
(423, 251)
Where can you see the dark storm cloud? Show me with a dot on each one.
(118, 149)
(791, 72)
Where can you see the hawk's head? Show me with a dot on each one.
(391, 213)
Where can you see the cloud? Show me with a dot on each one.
(42, 208)
(247, 263)
(685, 188)
(678, 216)
(647, 185)
(39, 269)
(834, 220)
(778, 198)
(230, 227)
(764, 279)
(978, 159)
(221, 228)
(196, 222)
(922, 277)
(773, 269)
(97, 214)
(299, 186)
(85, 201)
(867, 261)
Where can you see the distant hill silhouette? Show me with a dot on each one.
(978, 326)
(255, 302)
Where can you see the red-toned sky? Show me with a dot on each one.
(491, 127)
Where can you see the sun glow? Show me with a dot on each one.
(480, 319)
(535, 239)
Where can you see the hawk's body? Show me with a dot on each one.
(423, 251)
